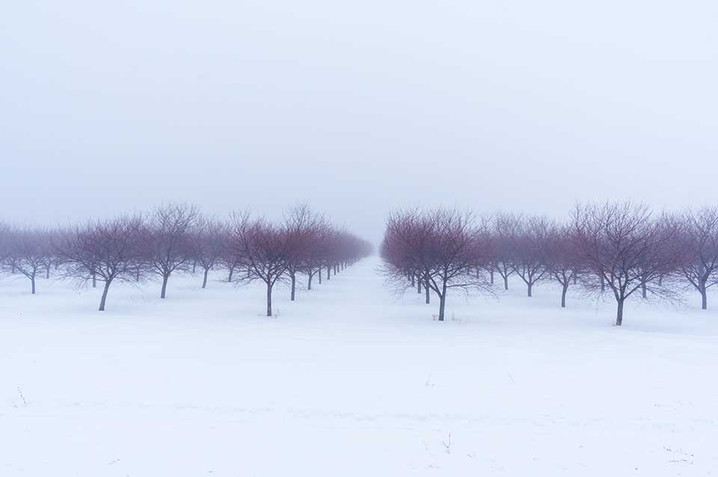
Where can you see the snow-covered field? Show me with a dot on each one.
(351, 380)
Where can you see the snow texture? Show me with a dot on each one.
(350, 380)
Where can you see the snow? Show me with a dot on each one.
(350, 380)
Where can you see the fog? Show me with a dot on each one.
(357, 108)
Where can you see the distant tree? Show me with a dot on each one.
(265, 250)
(505, 231)
(208, 242)
(27, 251)
(698, 241)
(168, 245)
(301, 228)
(108, 249)
(624, 246)
(528, 247)
(443, 244)
(562, 262)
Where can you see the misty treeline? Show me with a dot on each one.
(178, 238)
(621, 249)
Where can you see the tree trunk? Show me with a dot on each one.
(204, 279)
(418, 286)
(194, 266)
(644, 292)
(442, 302)
(293, 277)
(660, 280)
(506, 282)
(269, 300)
(309, 282)
(603, 283)
(105, 289)
(32, 281)
(427, 292)
(165, 278)
(619, 313)
(704, 298)
(491, 277)
(231, 274)
(94, 280)
(329, 272)
(529, 286)
(47, 272)
(413, 283)
(563, 295)
(320, 275)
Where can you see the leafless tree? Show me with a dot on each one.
(265, 250)
(528, 249)
(505, 231)
(168, 245)
(108, 249)
(444, 245)
(698, 241)
(208, 242)
(625, 246)
(27, 251)
(562, 261)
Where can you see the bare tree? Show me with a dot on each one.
(528, 249)
(108, 249)
(265, 249)
(562, 261)
(698, 241)
(623, 245)
(168, 245)
(208, 242)
(505, 231)
(27, 251)
(444, 244)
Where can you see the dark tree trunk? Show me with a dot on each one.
(329, 272)
(94, 280)
(427, 291)
(603, 284)
(165, 278)
(204, 278)
(644, 291)
(293, 277)
(563, 295)
(230, 274)
(137, 274)
(194, 266)
(309, 281)
(320, 275)
(619, 313)
(442, 302)
(529, 287)
(269, 300)
(704, 298)
(660, 280)
(575, 279)
(105, 289)
(32, 281)
(491, 277)
(413, 283)
(47, 272)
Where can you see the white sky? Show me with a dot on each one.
(356, 107)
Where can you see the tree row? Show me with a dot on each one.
(620, 249)
(178, 238)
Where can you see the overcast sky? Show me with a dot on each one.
(355, 107)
